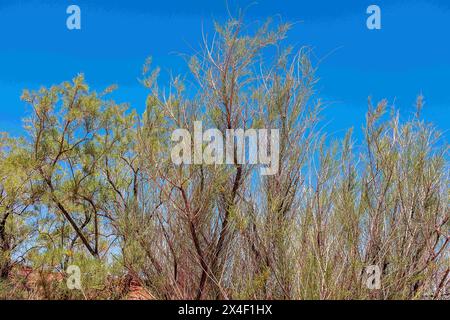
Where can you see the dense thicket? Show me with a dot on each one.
(91, 184)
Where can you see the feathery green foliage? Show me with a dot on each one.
(91, 184)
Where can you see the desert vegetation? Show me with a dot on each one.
(91, 184)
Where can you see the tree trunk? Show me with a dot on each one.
(5, 261)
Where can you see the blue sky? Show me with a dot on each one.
(410, 55)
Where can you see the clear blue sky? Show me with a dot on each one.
(410, 55)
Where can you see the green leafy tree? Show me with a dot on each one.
(73, 133)
(17, 197)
